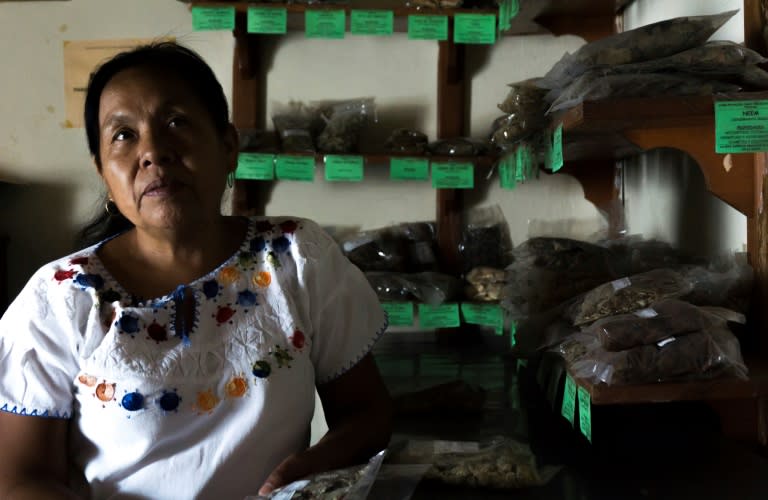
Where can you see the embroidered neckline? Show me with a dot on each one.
(130, 300)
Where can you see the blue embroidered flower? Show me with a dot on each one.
(169, 401)
(262, 369)
(133, 401)
(246, 298)
(90, 280)
(281, 244)
(211, 288)
(258, 244)
(128, 323)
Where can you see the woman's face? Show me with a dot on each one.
(164, 163)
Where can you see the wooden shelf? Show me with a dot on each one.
(482, 161)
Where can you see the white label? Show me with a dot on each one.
(668, 340)
(619, 284)
(646, 313)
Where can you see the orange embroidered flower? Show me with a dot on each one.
(262, 279)
(87, 380)
(206, 401)
(105, 392)
(236, 387)
(228, 275)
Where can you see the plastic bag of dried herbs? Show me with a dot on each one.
(296, 125)
(705, 354)
(427, 287)
(627, 295)
(344, 120)
(668, 318)
(594, 86)
(502, 463)
(351, 483)
(653, 41)
(485, 239)
(725, 282)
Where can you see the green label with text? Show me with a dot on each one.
(569, 400)
(557, 149)
(399, 313)
(343, 168)
(507, 170)
(442, 316)
(372, 22)
(585, 413)
(408, 169)
(256, 166)
(490, 315)
(741, 126)
(213, 18)
(325, 24)
(427, 27)
(295, 168)
(453, 175)
(474, 28)
(267, 20)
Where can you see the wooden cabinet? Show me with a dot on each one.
(686, 124)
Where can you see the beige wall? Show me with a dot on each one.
(61, 189)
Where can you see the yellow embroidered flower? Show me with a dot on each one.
(262, 279)
(236, 387)
(206, 401)
(228, 275)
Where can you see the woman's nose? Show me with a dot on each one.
(156, 149)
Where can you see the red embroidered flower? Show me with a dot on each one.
(224, 314)
(62, 275)
(298, 339)
(79, 261)
(264, 226)
(289, 226)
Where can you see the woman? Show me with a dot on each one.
(178, 358)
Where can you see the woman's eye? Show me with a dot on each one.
(121, 135)
(177, 121)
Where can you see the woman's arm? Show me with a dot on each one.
(359, 414)
(34, 463)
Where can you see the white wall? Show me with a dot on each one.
(62, 190)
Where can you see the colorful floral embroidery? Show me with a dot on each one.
(133, 401)
(262, 369)
(236, 387)
(282, 356)
(62, 275)
(206, 401)
(128, 323)
(272, 259)
(229, 275)
(264, 226)
(289, 226)
(281, 244)
(105, 392)
(245, 259)
(211, 289)
(246, 298)
(90, 281)
(298, 339)
(169, 401)
(79, 261)
(157, 332)
(258, 244)
(223, 314)
(87, 380)
(262, 279)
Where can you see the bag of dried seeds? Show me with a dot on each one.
(296, 126)
(344, 120)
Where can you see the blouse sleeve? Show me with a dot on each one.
(38, 361)
(345, 313)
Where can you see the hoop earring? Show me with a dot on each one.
(231, 179)
(111, 208)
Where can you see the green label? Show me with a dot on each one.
(372, 22)
(512, 333)
(524, 166)
(569, 400)
(453, 175)
(408, 169)
(399, 313)
(257, 166)
(213, 18)
(741, 126)
(556, 157)
(428, 27)
(267, 20)
(484, 314)
(521, 363)
(585, 413)
(508, 166)
(474, 28)
(295, 168)
(324, 23)
(343, 168)
(442, 316)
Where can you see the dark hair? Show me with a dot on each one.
(171, 58)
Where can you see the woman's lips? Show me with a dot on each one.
(161, 187)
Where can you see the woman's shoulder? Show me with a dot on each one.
(75, 268)
(304, 234)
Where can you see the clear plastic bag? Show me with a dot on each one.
(593, 86)
(706, 354)
(427, 287)
(501, 464)
(485, 239)
(652, 41)
(458, 146)
(296, 126)
(405, 141)
(351, 483)
(724, 282)
(627, 295)
(668, 318)
(485, 284)
(344, 120)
